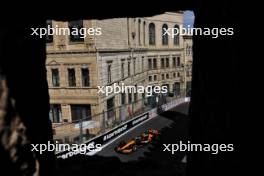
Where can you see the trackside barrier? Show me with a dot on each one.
(106, 137)
(122, 128)
(167, 106)
(174, 103)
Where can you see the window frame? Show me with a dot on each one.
(165, 36)
(152, 34)
(176, 39)
(75, 24)
(71, 78)
(57, 82)
(88, 77)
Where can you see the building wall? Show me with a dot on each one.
(79, 94)
(114, 34)
(62, 43)
(123, 40)
(171, 19)
(188, 56)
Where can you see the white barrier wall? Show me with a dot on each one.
(168, 106)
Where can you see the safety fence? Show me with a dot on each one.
(83, 130)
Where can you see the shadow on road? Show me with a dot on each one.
(154, 162)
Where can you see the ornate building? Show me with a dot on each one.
(129, 51)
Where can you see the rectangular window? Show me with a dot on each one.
(75, 35)
(85, 77)
(135, 94)
(55, 77)
(162, 63)
(71, 77)
(149, 64)
(123, 98)
(150, 78)
(162, 76)
(55, 113)
(155, 63)
(129, 97)
(174, 61)
(128, 68)
(109, 75)
(178, 61)
(81, 112)
(155, 77)
(110, 108)
(122, 70)
(167, 62)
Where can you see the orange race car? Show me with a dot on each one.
(139, 141)
(149, 136)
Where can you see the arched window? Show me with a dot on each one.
(164, 34)
(139, 31)
(176, 37)
(152, 34)
(144, 33)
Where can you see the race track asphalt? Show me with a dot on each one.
(160, 122)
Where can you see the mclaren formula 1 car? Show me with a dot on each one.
(133, 144)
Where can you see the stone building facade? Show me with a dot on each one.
(129, 51)
(188, 59)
